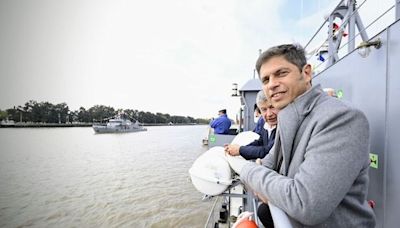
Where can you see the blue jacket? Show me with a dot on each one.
(259, 148)
(221, 124)
(259, 126)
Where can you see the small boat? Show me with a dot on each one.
(118, 125)
(7, 123)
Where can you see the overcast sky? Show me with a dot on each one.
(176, 56)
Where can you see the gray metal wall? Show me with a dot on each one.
(248, 99)
(248, 118)
(373, 85)
(392, 137)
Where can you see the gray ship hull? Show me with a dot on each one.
(105, 129)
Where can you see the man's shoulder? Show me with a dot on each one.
(332, 104)
(332, 108)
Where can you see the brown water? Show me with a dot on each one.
(71, 177)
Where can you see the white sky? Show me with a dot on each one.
(177, 56)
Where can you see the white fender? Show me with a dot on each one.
(210, 173)
(242, 139)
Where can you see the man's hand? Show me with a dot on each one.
(232, 149)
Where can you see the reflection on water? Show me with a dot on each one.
(71, 177)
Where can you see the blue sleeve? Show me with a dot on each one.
(257, 149)
(221, 125)
(259, 126)
(215, 122)
(253, 152)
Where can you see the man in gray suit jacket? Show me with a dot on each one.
(317, 171)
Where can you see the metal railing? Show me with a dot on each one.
(351, 18)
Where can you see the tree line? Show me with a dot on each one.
(46, 112)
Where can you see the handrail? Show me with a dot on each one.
(341, 27)
(379, 17)
(209, 218)
(321, 26)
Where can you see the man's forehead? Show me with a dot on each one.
(275, 64)
(265, 104)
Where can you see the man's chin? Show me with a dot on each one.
(280, 104)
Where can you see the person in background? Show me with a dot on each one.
(317, 171)
(259, 148)
(258, 119)
(221, 124)
(257, 113)
(330, 91)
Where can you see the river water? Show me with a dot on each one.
(71, 177)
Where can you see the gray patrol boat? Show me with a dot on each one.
(118, 125)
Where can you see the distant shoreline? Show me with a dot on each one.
(38, 125)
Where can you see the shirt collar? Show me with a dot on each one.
(268, 127)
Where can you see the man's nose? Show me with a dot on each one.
(272, 85)
(273, 82)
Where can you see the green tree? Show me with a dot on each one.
(28, 111)
(47, 112)
(3, 115)
(101, 113)
(162, 118)
(179, 119)
(203, 121)
(190, 119)
(35, 111)
(12, 114)
(131, 114)
(83, 115)
(61, 112)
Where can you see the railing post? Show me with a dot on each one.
(352, 26)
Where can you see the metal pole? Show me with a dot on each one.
(330, 42)
(240, 120)
(352, 26)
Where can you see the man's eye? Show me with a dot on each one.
(265, 80)
(283, 73)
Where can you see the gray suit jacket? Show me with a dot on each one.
(317, 172)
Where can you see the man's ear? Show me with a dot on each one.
(307, 72)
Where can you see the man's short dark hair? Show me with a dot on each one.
(293, 53)
(222, 111)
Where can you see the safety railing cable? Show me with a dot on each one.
(339, 29)
(379, 17)
(319, 29)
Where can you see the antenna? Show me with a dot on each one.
(254, 71)
(301, 10)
